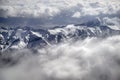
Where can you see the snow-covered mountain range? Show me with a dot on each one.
(27, 37)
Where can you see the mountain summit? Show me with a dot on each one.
(26, 37)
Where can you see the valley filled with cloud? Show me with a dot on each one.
(89, 59)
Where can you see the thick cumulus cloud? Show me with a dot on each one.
(50, 8)
(89, 59)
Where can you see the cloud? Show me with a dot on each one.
(55, 12)
(42, 8)
(114, 23)
(76, 15)
(89, 59)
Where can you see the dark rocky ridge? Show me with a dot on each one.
(26, 37)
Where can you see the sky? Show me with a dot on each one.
(56, 11)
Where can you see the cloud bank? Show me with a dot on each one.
(51, 8)
(90, 59)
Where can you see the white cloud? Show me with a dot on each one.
(40, 8)
(76, 15)
(90, 59)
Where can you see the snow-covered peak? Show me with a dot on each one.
(36, 34)
(17, 38)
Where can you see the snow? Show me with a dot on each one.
(55, 31)
(39, 35)
(92, 30)
(1, 36)
(20, 45)
(114, 27)
(36, 33)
